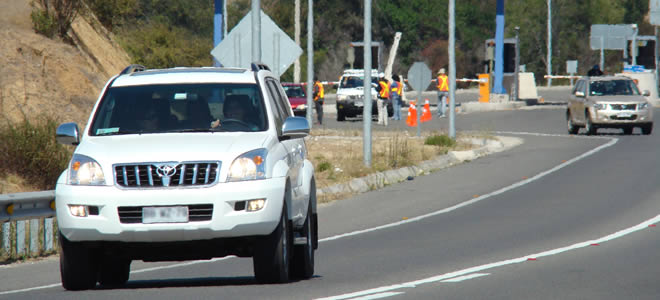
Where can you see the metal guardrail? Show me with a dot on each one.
(25, 206)
(27, 224)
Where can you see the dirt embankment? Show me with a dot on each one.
(43, 76)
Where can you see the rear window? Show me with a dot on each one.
(180, 108)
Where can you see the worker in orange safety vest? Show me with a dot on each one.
(383, 98)
(395, 96)
(443, 92)
(319, 96)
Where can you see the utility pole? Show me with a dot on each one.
(549, 42)
(452, 70)
(310, 59)
(218, 26)
(516, 71)
(499, 48)
(296, 64)
(256, 31)
(366, 113)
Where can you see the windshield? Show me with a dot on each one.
(179, 108)
(294, 91)
(355, 81)
(613, 87)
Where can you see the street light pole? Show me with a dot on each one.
(549, 42)
(516, 71)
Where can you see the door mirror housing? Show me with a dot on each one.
(295, 128)
(68, 134)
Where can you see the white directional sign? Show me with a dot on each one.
(610, 37)
(278, 51)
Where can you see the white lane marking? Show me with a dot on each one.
(443, 277)
(480, 198)
(190, 263)
(410, 220)
(466, 277)
(132, 272)
(378, 296)
(30, 289)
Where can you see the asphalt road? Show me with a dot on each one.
(559, 217)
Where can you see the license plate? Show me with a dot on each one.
(165, 214)
(359, 104)
(624, 115)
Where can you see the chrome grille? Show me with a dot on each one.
(196, 213)
(146, 175)
(623, 106)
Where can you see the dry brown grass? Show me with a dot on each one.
(338, 155)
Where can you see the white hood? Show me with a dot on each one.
(170, 147)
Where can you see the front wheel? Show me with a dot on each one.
(272, 256)
(78, 265)
(303, 255)
(114, 272)
(340, 115)
(647, 129)
(589, 125)
(572, 129)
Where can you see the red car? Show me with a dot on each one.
(297, 97)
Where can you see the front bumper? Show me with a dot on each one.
(351, 108)
(226, 220)
(621, 118)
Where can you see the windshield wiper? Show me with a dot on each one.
(195, 130)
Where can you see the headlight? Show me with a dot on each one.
(342, 97)
(600, 106)
(301, 106)
(84, 170)
(644, 105)
(248, 166)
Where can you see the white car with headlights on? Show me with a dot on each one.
(185, 164)
(608, 102)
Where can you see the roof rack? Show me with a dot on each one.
(259, 66)
(132, 69)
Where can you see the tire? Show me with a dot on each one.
(340, 116)
(78, 265)
(114, 272)
(589, 125)
(572, 129)
(303, 255)
(647, 129)
(627, 130)
(272, 256)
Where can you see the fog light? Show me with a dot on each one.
(255, 205)
(78, 210)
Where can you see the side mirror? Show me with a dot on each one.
(579, 94)
(646, 93)
(68, 134)
(295, 128)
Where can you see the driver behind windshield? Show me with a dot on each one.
(238, 113)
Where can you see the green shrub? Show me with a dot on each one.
(29, 149)
(324, 166)
(43, 23)
(440, 140)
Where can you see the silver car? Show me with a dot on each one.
(608, 102)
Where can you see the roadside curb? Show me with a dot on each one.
(381, 179)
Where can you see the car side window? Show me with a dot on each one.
(579, 87)
(274, 99)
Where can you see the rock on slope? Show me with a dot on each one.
(43, 76)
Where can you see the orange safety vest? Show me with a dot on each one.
(318, 86)
(384, 90)
(395, 89)
(443, 85)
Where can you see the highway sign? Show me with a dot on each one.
(419, 76)
(279, 51)
(610, 37)
(654, 12)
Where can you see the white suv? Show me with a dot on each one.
(182, 164)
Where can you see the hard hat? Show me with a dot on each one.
(441, 71)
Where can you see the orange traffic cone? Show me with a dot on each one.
(426, 112)
(412, 115)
